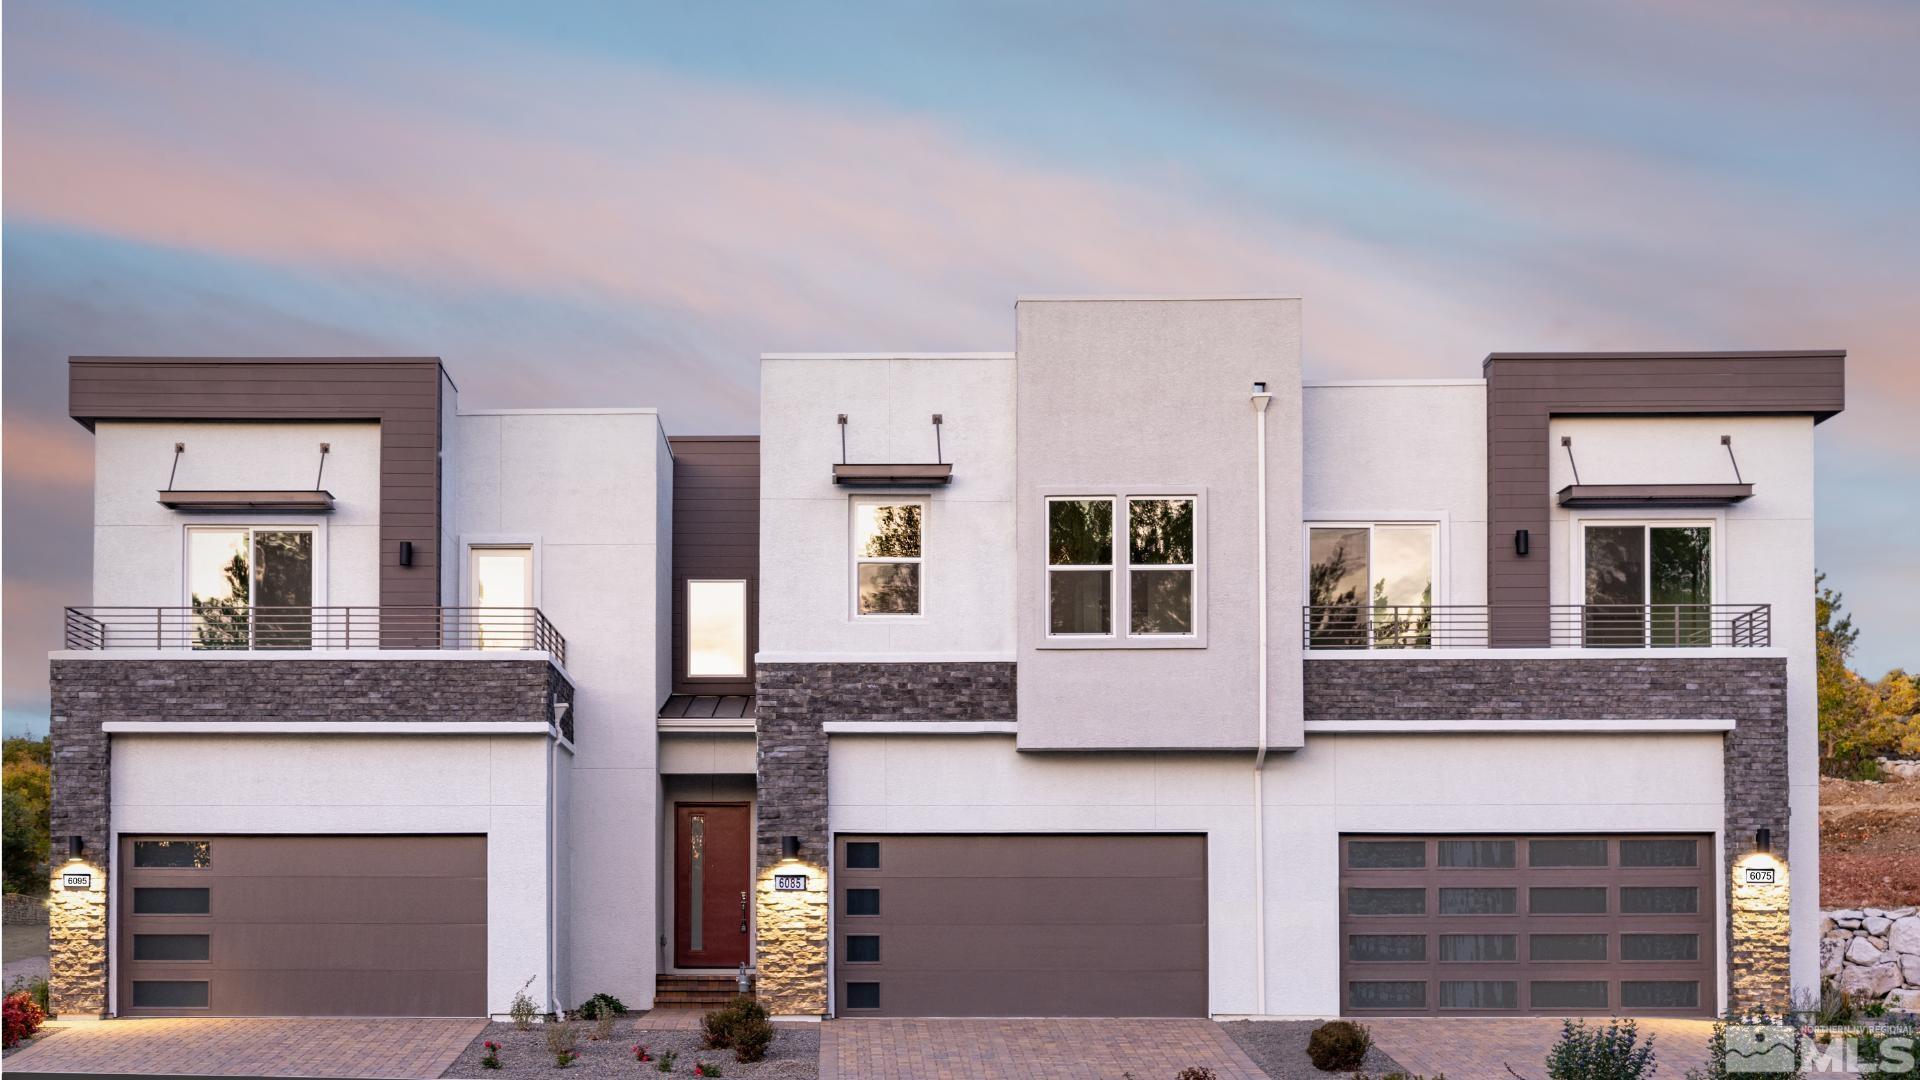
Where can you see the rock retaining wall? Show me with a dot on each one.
(1873, 954)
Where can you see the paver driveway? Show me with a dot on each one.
(1481, 1048)
(1027, 1049)
(254, 1047)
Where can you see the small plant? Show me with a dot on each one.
(1338, 1046)
(1197, 1072)
(640, 1053)
(1828, 1006)
(741, 1027)
(34, 988)
(666, 1060)
(599, 1004)
(1875, 1009)
(22, 1017)
(523, 1011)
(701, 1068)
(1614, 1052)
(563, 1042)
(603, 1025)
(491, 1059)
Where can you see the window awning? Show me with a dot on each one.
(892, 476)
(1592, 496)
(310, 501)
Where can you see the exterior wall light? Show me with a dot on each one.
(1763, 839)
(406, 553)
(789, 847)
(1520, 541)
(76, 846)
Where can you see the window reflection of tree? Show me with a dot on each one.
(896, 533)
(1333, 590)
(1080, 532)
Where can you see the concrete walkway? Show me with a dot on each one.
(1481, 1048)
(253, 1047)
(1027, 1050)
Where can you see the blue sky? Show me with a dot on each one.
(642, 198)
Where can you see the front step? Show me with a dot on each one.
(695, 990)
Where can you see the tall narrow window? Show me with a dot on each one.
(503, 592)
(887, 556)
(1080, 567)
(1371, 585)
(1160, 565)
(251, 588)
(1648, 585)
(716, 629)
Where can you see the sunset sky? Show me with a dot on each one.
(633, 201)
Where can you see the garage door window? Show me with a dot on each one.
(1490, 901)
(1570, 995)
(1657, 947)
(171, 901)
(1386, 948)
(863, 948)
(1569, 948)
(863, 995)
(863, 901)
(172, 854)
(1583, 852)
(1659, 900)
(170, 947)
(1387, 854)
(1475, 854)
(1568, 901)
(1659, 853)
(1386, 901)
(1388, 995)
(1480, 994)
(1478, 948)
(169, 994)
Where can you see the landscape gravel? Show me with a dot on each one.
(1280, 1048)
(795, 1055)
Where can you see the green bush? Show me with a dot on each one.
(741, 1027)
(1338, 1046)
(602, 1003)
(1614, 1052)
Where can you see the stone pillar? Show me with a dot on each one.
(77, 943)
(1759, 940)
(77, 918)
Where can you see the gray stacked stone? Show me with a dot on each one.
(1873, 954)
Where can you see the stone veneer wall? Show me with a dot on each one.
(1873, 954)
(1749, 690)
(792, 703)
(89, 693)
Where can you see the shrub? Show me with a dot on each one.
(1338, 1046)
(523, 1010)
(752, 1035)
(1829, 1006)
(563, 1041)
(491, 1059)
(1614, 1052)
(666, 1060)
(23, 1017)
(1197, 1072)
(600, 1004)
(741, 1021)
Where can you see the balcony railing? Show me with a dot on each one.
(1554, 626)
(218, 626)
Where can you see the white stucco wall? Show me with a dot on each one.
(1762, 554)
(583, 486)
(139, 546)
(1338, 783)
(493, 785)
(806, 610)
(1401, 450)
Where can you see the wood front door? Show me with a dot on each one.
(712, 884)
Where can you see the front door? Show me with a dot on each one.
(712, 882)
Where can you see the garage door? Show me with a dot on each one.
(1518, 925)
(303, 926)
(1020, 925)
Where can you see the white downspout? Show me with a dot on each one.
(1261, 399)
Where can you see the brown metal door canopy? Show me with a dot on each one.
(898, 475)
(1590, 496)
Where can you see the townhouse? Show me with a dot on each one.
(1123, 674)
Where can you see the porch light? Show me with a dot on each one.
(1763, 839)
(789, 847)
(1519, 541)
(76, 846)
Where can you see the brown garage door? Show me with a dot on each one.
(303, 926)
(1518, 925)
(1020, 925)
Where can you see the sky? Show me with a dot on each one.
(575, 203)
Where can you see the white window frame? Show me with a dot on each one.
(1120, 571)
(746, 626)
(317, 527)
(854, 558)
(1438, 522)
(1715, 524)
(469, 545)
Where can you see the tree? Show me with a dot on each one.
(28, 794)
(1860, 721)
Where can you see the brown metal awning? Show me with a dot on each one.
(1617, 495)
(319, 502)
(708, 707)
(892, 476)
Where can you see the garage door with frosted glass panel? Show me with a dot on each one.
(303, 926)
(1028, 925)
(1523, 925)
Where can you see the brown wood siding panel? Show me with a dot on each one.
(403, 395)
(716, 534)
(322, 926)
(1526, 390)
(1029, 925)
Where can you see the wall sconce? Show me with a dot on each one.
(76, 846)
(789, 847)
(1763, 839)
(406, 553)
(1520, 541)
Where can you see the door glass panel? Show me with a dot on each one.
(1386, 854)
(1681, 587)
(716, 629)
(1478, 901)
(170, 901)
(1387, 948)
(1387, 995)
(1569, 995)
(219, 581)
(1568, 947)
(1616, 560)
(1386, 901)
(1659, 852)
(1337, 581)
(1401, 593)
(1576, 900)
(1582, 852)
(1660, 946)
(1659, 900)
(170, 946)
(503, 578)
(1659, 995)
(863, 948)
(863, 995)
(283, 590)
(863, 854)
(1480, 994)
(1478, 948)
(1475, 854)
(863, 901)
(149, 994)
(696, 881)
(172, 854)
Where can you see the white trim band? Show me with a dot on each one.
(1513, 727)
(325, 727)
(916, 727)
(884, 658)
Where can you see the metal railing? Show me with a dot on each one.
(1552, 626)
(218, 626)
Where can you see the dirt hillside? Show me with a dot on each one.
(1869, 843)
